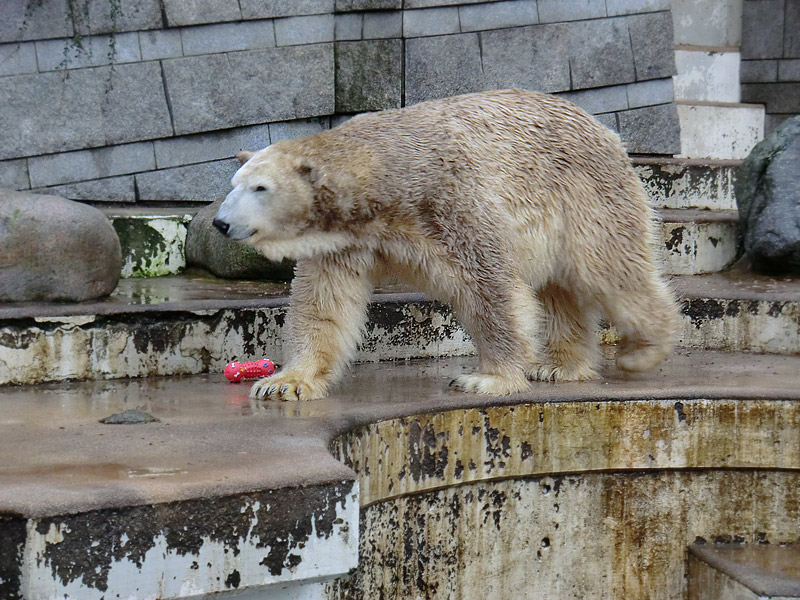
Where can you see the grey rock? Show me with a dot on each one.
(14, 174)
(369, 75)
(208, 248)
(17, 58)
(768, 197)
(132, 416)
(26, 20)
(53, 249)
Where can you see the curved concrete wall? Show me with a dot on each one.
(567, 499)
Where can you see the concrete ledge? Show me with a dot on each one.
(742, 572)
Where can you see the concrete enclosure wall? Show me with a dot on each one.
(146, 101)
(771, 57)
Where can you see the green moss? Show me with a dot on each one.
(145, 251)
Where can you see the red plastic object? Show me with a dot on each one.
(237, 371)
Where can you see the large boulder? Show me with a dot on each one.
(768, 196)
(206, 247)
(55, 249)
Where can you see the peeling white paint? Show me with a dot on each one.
(720, 132)
(678, 186)
(707, 76)
(696, 248)
(167, 573)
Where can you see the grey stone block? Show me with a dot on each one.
(269, 9)
(762, 36)
(653, 46)
(778, 97)
(348, 5)
(758, 71)
(788, 70)
(26, 20)
(430, 21)
(437, 67)
(93, 51)
(606, 38)
(112, 189)
(609, 120)
(112, 107)
(650, 130)
(54, 169)
(628, 7)
(600, 100)
(382, 25)
(348, 26)
(244, 88)
(554, 11)
(205, 147)
(431, 3)
(164, 43)
(369, 75)
(707, 22)
(534, 58)
(14, 174)
(227, 37)
(791, 30)
(649, 93)
(17, 58)
(313, 29)
(194, 183)
(516, 13)
(290, 130)
(93, 17)
(197, 12)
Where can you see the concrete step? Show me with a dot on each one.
(699, 241)
(276, 500)
(195, 323)
(688, 182)
(744, 571)
(694, 241)
(719, 130)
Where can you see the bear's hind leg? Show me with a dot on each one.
(572, 349)
(646, 317)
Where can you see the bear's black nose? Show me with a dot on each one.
(221, 225)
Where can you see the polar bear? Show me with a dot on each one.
(516, 208)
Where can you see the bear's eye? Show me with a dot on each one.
(261, 188)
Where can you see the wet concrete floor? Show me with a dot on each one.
(212, 440)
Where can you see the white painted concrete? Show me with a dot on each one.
(707, 76)
(720, 131)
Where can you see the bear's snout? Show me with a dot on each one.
(221, 225)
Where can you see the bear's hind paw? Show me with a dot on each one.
(491, 385)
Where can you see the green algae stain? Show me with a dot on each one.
(151, 247)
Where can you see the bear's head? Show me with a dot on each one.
(275, 205)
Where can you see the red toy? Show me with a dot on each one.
(237, 371)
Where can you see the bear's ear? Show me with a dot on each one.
(244, 156)
(307, 172)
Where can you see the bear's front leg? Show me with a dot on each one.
(327, 311)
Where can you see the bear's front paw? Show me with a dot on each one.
(290, 386)
(491, 385)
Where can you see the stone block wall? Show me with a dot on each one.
(770, 67)
(146, 101)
